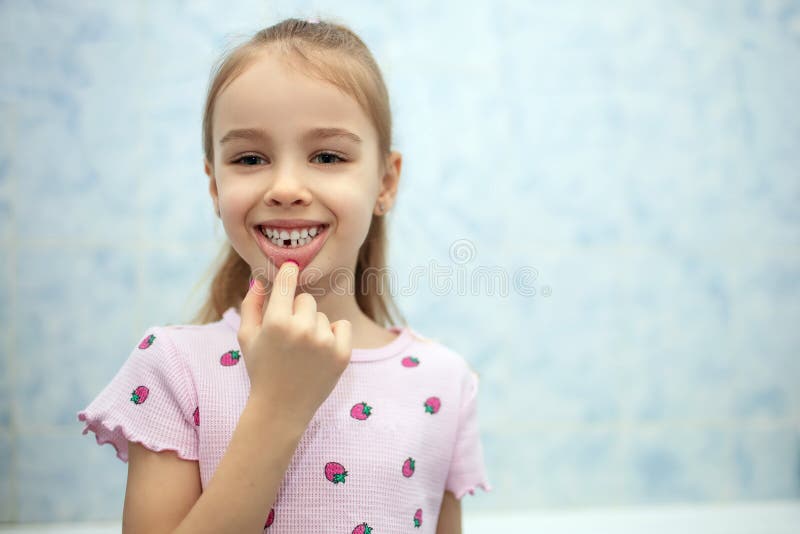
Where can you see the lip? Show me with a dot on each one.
(302, 255)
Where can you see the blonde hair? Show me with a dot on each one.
(334, 53)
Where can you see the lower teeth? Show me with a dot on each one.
(290, 244)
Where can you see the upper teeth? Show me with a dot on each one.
(298, 236)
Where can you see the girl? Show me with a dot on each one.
(287, 405)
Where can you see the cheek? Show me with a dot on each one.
(353, 232)
(353, 213)
(234, 205)
(235, 199)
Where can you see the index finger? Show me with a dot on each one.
(281, 298)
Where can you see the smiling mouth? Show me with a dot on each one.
(290, 238)
(280, 247)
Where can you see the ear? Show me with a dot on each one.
(391, 178)
(212, 185)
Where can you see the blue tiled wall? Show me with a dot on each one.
(641, 159)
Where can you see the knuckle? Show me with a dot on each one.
(275, 325)
(292, 329)
(344, 355)
(307, 334)
(342, 360)
(305, 297)
(329, 341)
(297, 329)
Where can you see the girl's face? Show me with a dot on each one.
(290, 164)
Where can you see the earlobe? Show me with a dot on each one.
(215, 201)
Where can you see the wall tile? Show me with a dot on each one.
(75, 100)
(8, 497)
(174, 282)
(7, 180)
(47, 482)
(74, 325)
(639, 161)
(7, 359)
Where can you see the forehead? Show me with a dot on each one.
(281, 98)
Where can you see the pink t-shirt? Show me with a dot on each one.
(399, 428)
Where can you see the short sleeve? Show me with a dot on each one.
(467, 468)
(150, 400)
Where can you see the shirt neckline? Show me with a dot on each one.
(404, 338)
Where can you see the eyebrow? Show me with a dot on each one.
(258, 134)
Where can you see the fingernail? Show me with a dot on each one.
(293, 262)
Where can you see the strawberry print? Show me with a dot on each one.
(410, 361)
(335, 472)
(270, 518)
(363, 528)
(408, 467)
(432, 405)
(139, 395)
(230, 358)
(197, 416)
(418, 518)
(146, 342)
(360, 411)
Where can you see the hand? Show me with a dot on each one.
(293, 354)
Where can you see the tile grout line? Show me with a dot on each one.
(626, 427)
(12, 482)
(72, 244)
(139, 284)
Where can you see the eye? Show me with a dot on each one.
(329, 155)
(249, 157)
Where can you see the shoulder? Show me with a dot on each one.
(158, 341)
(444, 354)
(188, 340)
(181, 353)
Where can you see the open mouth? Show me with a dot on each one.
(300, 245)
(291, 237)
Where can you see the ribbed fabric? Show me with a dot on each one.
(399, 428)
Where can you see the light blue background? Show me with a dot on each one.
(642, 157)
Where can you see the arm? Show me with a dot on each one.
(164, 496)
(294, 358)
(449, 515)
(178, 483)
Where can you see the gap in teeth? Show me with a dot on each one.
(296, 237)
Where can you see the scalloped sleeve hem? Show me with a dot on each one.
(484, 485)
(119, 437)
(151, 400)
(467, 466)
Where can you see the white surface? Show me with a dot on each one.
(745, 518)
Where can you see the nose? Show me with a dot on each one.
(287, 189)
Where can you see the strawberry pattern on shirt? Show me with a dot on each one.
(399, 428)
